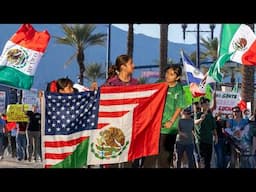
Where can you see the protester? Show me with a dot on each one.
(240, 133)
(2, 131)
(185, 138)
(221, 147)
(34, 135)
(65, 85)
(120, 74)
(205, 131)
(172, 109)
(21, 141)
(13, 141)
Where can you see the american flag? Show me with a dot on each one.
(68, 117)
(78, 126)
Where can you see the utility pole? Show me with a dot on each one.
(108, 50)
(184, 27)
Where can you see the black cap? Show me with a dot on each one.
(187, 110)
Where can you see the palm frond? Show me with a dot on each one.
(94, 71)
(80, 37)
(68, 62)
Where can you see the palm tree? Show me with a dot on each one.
(143, 80)
(230, 69)
(247, 91)
(211, 46)
(80, 37)
(93, 72)
(170, 61)
(211, 50)
(163, 48)
(130, 40)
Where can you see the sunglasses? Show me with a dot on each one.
(236, 111)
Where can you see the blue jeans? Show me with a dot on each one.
(21, 142)
(1, 144)
(220, 156)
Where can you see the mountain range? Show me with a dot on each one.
(51, 66)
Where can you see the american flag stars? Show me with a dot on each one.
(67, 114)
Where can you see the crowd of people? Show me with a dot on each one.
(22, 139)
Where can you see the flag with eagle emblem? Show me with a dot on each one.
(21, 55)
(112, 125)
(240, 40)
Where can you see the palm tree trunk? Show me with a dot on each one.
(130, 40)
(80, 61)
(247, 91)
(163, 48)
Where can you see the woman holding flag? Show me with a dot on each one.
(120, 74)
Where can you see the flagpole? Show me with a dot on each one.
(198, 46)
(42, 110)
(184, 26)
(108, 50)
(182, 57)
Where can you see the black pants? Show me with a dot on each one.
(205, 151)
(138, 163)
(166, 150)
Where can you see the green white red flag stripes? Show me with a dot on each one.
(133, 114)
(238, 44)
(240, 40)
(215, 69)
(21, 55)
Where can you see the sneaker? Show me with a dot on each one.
(1, 157)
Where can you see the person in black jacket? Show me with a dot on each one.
(34, 135)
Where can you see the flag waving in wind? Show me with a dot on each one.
(238, 44)
(240, 40)
(21, 56)
(194, 77)
(112, 125)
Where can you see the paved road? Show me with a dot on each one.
(9, 162)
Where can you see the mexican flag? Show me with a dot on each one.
(238, 44)
(21, 55)
(240, 40)
(214, 71)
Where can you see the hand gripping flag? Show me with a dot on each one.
(21, 56)
(112, 125)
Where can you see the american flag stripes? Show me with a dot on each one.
(112, 125)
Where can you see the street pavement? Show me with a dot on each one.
(9, 162)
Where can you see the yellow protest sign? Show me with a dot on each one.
(16, 112)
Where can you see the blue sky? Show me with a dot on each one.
(175, 31)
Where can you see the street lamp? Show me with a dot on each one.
(184, 27)
(108, 50)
